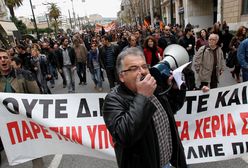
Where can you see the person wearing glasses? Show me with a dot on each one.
(141, 119)
(167, 38)
(209, 62)
(13, 80)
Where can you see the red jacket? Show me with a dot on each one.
(148, 54)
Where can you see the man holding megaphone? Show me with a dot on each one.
(140, 120)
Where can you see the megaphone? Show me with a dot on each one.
(174, 56)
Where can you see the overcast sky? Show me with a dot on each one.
(106, 8)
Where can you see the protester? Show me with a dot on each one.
(167, 38)
(108, 54)
(41, 71)
(152, 52)
(188, 42)
(17, 81)
(94, 65)
(233, 47)
(227, 37)
(140, 119)
(132, 42)
(242, 58)
(81, 57)
(202, 40)
(209, 63)
(67, 63)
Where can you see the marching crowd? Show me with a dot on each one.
(66, 54)
(41, 62)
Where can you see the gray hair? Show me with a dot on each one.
(136, 52)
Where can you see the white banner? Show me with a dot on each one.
(213, 126)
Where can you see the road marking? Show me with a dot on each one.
(245, 158)
(56, 161)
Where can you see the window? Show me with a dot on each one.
(245, 7)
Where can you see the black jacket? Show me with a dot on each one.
(72, 56)
(102, 54)
(128, 117)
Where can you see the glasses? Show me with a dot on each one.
(166, 29)
(136, 68)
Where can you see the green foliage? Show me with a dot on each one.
(41, 31)
(20, 25)
(11, 4)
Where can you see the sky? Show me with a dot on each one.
(106, 8)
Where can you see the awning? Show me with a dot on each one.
(8, 27)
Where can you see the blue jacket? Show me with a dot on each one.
(242, 54)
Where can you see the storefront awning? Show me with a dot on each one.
(8, 27)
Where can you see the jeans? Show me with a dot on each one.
(245, 74)
(167, 165)
(70, 78)
(112, 77)
(53, 72)
(96, 77)
(81, 68)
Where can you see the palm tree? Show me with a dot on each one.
(11, 4)
(54, 13)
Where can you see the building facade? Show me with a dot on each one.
(199, 13)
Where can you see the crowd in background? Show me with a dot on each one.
(66, 55)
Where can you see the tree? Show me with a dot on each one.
(54, 13)
(11, 4)
(20, 25)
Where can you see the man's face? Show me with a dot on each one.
(14, 65)
(137, 35)
(167, 30)
(104, 42)
(4, 63)
(212, 40)
(133, 41)
(132, 66)
(66, 42)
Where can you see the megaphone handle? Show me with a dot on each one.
(164, 92)
(172, 58)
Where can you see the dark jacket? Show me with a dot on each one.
(72, 56)
(128, 117)
(22, 82)
(102, 53)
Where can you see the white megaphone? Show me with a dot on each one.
(174, 56)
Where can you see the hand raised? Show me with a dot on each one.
(146, 86)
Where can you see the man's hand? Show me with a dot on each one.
(146, 86)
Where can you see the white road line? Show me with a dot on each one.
(245, 158)
(56, 161)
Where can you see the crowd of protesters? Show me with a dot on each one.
(70, 54)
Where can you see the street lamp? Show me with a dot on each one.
(35, 25)
(74, 15)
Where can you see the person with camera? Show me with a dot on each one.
(141, 119)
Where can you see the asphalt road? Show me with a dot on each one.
(76, 161)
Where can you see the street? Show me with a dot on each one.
(76, 161)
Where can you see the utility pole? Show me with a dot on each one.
(35, 25)
(70, 18)
(79, 25)
(47, 20)
(171, 11)
(151, 14)
(74, 15)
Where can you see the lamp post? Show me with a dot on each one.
(74, 15)
(35, 25)
(171, 11)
